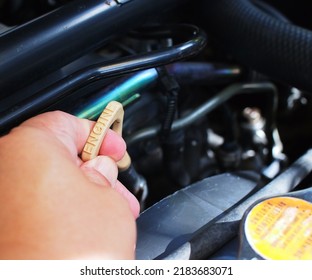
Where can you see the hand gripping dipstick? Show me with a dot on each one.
(112, 117)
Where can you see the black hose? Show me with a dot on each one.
(204, 73)
(267, 8)
(35, 49)
(271, 46)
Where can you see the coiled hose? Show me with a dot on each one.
(276, 48)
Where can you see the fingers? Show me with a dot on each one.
(73, 133)
(101, 170)
(132, 201)
(113, 146)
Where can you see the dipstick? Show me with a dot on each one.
(111, 117)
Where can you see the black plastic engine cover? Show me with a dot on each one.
(172, 220)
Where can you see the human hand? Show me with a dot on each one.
(54, 206)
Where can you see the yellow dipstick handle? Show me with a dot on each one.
(111, 117)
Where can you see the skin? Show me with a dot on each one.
(54, 206)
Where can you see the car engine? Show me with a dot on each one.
(217, 99)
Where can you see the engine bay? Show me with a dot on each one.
(217, 100)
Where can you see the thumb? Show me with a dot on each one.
(101, 170)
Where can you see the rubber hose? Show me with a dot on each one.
(278, 49)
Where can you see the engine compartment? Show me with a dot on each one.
(199, 107)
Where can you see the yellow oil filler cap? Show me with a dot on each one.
(278, 228)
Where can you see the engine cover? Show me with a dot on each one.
(171, 221)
